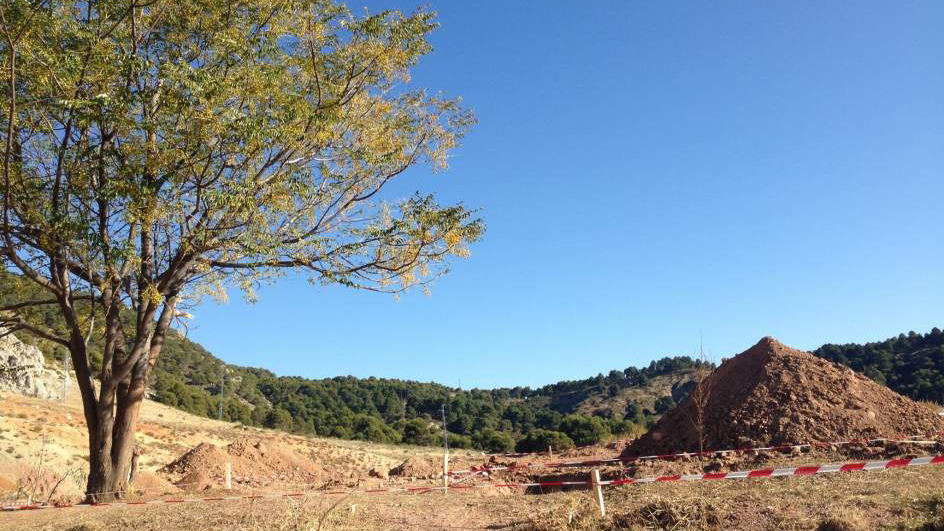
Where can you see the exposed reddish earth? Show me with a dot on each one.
(149, 482)
(254, 463)
(6, 485)
(418, 467)
(772, 394)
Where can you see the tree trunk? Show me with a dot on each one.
(112, 418)
(111, 445)
(130, 397)
(101, 474)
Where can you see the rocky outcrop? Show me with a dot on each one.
(23, 370)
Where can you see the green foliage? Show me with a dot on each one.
(418, 432)
(187, 376)
(493, 441)
(585, 430)
(156, 153)
(621, 427)
(911, 364)
(278, 419)
(664, 404)
(540, 440)
(460, 441)
(368, 428)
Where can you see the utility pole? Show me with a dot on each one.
(222, 376)
(445, 452)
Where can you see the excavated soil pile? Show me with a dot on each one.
(254, 463)
(772, 394)
(418, 467)
(150, 483)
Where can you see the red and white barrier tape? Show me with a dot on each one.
(743, 474)
(791, 471)
(618, 460)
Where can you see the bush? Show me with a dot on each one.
(417, 432)
(664, 404)
(367, 428)
(539, 440)
(493, 441)
(278, 419)
(460, 441)
(584, 430)
(621, 428)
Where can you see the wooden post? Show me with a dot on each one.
(550, 452)
(599, 488)
(229, 475)
(446, 472)
(445, 452)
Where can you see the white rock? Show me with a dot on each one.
(23, 370)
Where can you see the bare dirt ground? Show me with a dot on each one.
(49, 435)
(52, 434)
(895, 499)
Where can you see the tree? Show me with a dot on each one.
(370, 428)
(539, 440)
(701, 395)
(493, 441)
(621, 427)
(278, 419)
(584, 430)
(664, 404)
(417, 432)
(157, 152)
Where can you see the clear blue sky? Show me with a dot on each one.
(650, 171)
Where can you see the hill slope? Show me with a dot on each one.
(189, 377)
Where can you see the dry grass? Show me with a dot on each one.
(895, 500)
(899, 500)
(166, 433)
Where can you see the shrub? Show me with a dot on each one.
(584, 430)
(493, 441)
(621, 428)
(417, 432)
(368, 428)
(539, 440)
(460, 441)
(664, 404)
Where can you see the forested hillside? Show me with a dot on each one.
(389, 410)
(912, 364)
(189, 377)
(563, 414)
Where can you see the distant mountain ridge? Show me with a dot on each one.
(189, 377)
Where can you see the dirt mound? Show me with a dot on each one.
(204, 456)
(150, 483)
(254, 463)
(772, 394)
(418, 467)
(277, 461)
(197, 480)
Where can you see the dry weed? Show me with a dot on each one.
(932, 511)
(662, 514)
(38, 483)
